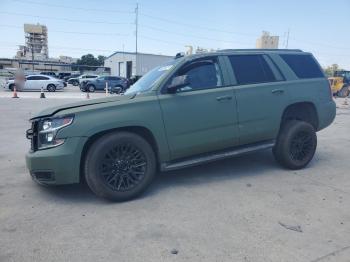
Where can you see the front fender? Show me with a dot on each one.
(144, 112)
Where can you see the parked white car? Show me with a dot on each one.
(86, 78)
(36, 82)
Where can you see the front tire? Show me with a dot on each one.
(344, 92)
(120, 166)
(295, 145)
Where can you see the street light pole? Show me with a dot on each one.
(136, 34)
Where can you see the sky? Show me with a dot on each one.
(165, 27)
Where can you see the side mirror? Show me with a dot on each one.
(177, 83)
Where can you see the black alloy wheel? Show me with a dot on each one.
(119, 166)
(123, 167)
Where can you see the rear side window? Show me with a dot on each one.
(251, 69)
(304, 66)
(114, 78)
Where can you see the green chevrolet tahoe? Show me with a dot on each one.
(191, 110)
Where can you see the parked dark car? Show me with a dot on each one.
(62, 75)
(116, 84)
(48, 73)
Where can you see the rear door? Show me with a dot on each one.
(36, 82)
(261, 96)
(200, 117)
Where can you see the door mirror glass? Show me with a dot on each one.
(177, 83)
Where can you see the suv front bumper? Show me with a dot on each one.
(59, 165)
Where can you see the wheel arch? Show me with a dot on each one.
(139, 130)
(305, 111)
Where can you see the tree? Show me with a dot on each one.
(88, 60)
(329, 70)
(101, 59)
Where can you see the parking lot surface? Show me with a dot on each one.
(241, 209)
(69, 92)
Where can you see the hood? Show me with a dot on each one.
(53, 110)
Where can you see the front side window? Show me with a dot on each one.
(201, 74)
(251, 69)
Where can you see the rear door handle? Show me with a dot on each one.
(221, 98)
(277, 91)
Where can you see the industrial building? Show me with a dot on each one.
(267, 41)
(127, 64)
(36, 43)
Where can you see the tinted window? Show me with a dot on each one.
(114, 78)
(37, 78)
(90, 77)
(304, 66)
(202, 74)
(251, 69)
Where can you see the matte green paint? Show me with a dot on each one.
(186, 123)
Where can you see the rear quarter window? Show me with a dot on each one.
(304, 66)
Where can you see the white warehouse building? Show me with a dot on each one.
(124, 63)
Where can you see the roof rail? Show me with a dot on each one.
(260, 49)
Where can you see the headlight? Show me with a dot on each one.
(48, 128)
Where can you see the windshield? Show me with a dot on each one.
(146, 82)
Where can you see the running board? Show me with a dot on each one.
(193, 161)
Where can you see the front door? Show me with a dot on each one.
(200, 117)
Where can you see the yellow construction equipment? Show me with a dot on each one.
(340, 83)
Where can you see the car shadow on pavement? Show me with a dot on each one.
(253, 164)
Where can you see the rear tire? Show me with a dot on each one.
(296, 144)
(51, 88)
(90, 88)
(11, 87)
(120, 166)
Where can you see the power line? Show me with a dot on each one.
(71, 32)
(195, 26)
(193, 36)
(67, 19)
(73, 7)
(62, 47)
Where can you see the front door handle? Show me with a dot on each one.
(277, 91)
(221, 98)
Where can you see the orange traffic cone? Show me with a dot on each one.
(42, 94)
(87, 95)
(15, 93)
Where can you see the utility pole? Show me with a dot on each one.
(136, 34)
(287, 39)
